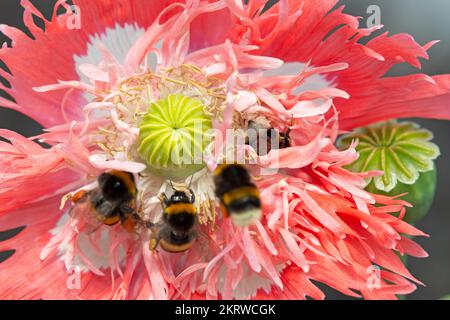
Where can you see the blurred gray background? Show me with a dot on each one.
(426, 20)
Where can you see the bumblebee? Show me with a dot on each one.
(111, 202)
(239, 196)
(284, 139)
(177, 231)
(274, 138)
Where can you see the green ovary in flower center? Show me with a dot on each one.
(173, 135)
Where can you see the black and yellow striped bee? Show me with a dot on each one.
(273, 138)
(177, 230)
(239, 196)
(284, 139)
(111, 202)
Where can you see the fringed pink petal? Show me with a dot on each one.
(268, 267)
(39, 173)
(407, 246)
(50, 56)
(159, 287)
(250, 251)
(417, 96)
(26, 276)
(373, 98)
(296, 285)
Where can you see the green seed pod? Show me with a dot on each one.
(404, 153)
(420, 194)
(173, 135)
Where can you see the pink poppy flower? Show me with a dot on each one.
(88, 87)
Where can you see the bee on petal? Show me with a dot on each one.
(239, 196)
(263, 139)
(177, 230)
(111, 202)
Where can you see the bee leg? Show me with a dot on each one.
(164, 200)
(127, 211)
(192, 196)
(154, 242)
(78, 196)
(130, 218)
(149, 225)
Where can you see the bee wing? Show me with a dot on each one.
(83, 216)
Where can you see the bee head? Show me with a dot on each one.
(182, 197)
(113, 187)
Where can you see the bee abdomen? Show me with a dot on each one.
(174, 248)
(176, 208)
(241, 199)
(181, 221)
(243, 204)
(173, 241)
(242, 194)
(105, 210)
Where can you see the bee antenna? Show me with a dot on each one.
(292, 121)
(148, 224)
(171, 185)
(190, 182)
